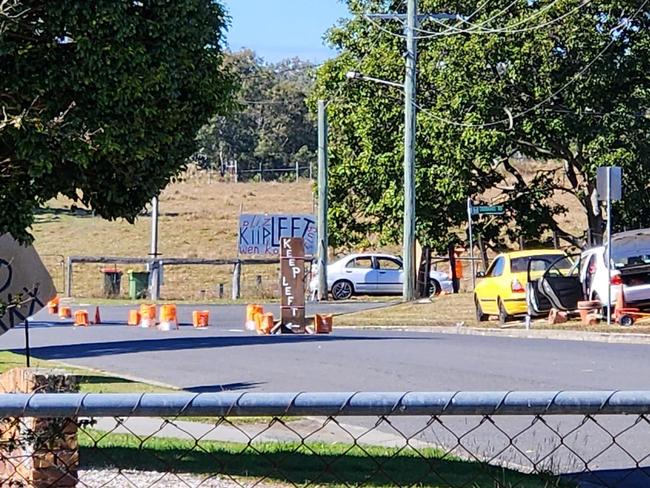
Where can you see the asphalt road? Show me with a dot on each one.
(223, 357)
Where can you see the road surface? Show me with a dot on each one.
(224, 357)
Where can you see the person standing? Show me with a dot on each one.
(455, 267)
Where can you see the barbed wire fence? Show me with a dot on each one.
(461, 439)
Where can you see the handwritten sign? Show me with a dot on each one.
(261, 234)
(23, 280)
(292, 283)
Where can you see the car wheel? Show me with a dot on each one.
(434, 288)
(480, 316)
(342, 290)
(503, 314)
(626, 321)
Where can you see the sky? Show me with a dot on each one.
(279, 29)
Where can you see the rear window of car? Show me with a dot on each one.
(541, 262)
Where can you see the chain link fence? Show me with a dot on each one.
(516, 439)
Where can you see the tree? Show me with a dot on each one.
(103, 100)
(272, 127)
(550, 80)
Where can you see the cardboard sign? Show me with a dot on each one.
(261, 234)
(23, 279)
(292, 283)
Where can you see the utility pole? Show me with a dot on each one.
(410, 83)
(322, 200)
(154, 278)
(410, 114)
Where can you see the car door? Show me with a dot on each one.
(537, 301)
(389, 275)
(360, 271)
(561, 284)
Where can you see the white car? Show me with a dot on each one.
(630, 269)
(372, 274)
(562, 287)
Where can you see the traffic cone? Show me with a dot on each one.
(98, 319)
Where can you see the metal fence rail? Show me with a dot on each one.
(446, 439)
(236, 264)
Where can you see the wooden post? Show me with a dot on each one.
(220, 290)
(292, 283)
(483, 251)
(68, 277)
(236, 281)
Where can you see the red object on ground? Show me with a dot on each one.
(98, 319)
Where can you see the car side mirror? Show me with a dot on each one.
(480, 274)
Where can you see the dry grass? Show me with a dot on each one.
(452, 310)
(197, 219)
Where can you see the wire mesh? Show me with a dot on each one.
(544, 448)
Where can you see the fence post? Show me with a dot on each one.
(68, 277)
(236, 281)
(220, 290)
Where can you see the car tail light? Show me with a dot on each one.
(616, 279)
(517, 287)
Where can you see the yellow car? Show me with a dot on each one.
(502, 288)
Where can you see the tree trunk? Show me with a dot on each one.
(594, 222)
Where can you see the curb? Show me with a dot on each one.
(560, 335)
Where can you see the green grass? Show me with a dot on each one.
(89, 381)
(316, 464)
(93, 382)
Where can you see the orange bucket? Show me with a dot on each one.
(168, 313)
(134, 317)
(323, 324)
(266, 323)
(258, 321)
(200, 318)
(65, 312)
(81, 318)
(251, 311)
(53, 305)
(147, 315)
(167, 317)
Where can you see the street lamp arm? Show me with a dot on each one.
(355, 75)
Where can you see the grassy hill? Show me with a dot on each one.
(197, 219)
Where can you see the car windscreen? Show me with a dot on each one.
(540, 262)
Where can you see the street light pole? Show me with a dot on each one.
(410, 83)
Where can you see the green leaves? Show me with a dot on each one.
(114, 94)
(560, 82)
(271, 128)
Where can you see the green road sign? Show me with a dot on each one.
(488, 210)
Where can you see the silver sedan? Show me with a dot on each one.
(372, 274)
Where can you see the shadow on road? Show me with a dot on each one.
(94, 349)
(240, 385)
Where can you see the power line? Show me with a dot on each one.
(455, 29)
(512, 117)
(508, 29)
